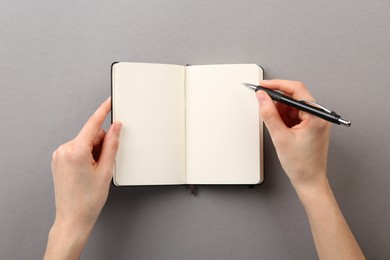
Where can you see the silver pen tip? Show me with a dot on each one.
(344, 122)
(250, 86)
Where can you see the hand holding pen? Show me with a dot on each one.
(301, 141)
(308, 106)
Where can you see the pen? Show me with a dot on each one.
(304, 105)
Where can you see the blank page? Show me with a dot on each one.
(223, 128)
(149, 100)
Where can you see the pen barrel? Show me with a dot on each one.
(272, 93)
(331, 117)
(303, 106)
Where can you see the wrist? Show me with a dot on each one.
(313, 193)
(312, 187)
(66, 241)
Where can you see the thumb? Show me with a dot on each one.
(110, 147)
(270, 114)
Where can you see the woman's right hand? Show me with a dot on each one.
(301, 139)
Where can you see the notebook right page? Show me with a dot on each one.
(223, 128)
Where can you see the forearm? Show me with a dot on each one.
(332, 235)
(66, 242)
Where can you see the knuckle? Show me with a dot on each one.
(114, 146)
(300, 85)
(323, 125)
(266, 114)
(70, 152)
(54, 156)
(58, 153)
(320, 125)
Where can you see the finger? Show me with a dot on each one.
(270, 115)
(99, 137)
(293, 114)
(295, 89)
(110, 148)
(92, 126)
(97, 144)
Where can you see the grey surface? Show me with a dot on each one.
(55, 59)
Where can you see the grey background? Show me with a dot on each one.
(55, 59)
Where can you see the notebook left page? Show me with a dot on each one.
(149, 101)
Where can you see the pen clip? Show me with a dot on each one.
(313, 103)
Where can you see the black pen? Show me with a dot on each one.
(304, 105)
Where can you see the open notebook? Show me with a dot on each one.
(187, 124)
